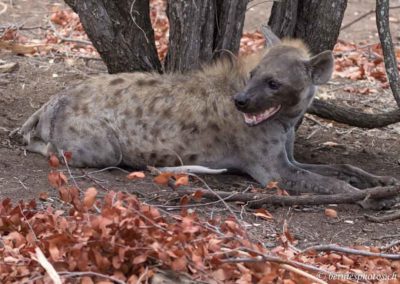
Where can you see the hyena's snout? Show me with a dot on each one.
(241, 100)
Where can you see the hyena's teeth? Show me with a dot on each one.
(254, 119)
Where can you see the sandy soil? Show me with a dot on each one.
(24, 175)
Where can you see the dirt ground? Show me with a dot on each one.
(24, 175)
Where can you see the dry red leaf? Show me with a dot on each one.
(163, 178)
(43, 196)
(68, 155)
(54, 162)
(331, 213)
(57, 179)
(197, 196)
(184, 200)
(263, 213)
(139, 259)
(136, 175)
(179, 264)
(182, 180)
(90, 197)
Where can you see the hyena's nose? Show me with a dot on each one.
(241, 100)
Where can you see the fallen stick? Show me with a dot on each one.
(194, 169)
(348, 250)
(47, 266)
(256, 200)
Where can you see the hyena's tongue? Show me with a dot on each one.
(254, 119)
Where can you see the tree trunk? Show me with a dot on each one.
(316, 22)
(200, 30)
(382, 23)
(121, 32)
(191, 34)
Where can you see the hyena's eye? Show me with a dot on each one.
(274, 85)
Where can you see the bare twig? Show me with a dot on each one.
(357, 19)
(90, 273)
(390, 245)
(47, 266)
(384, 218)
(192, 169)
(265, 257)
(347, 250)
(69, 170)
(256, 200)
(62, 38)
(362, 17)
(389, 56)
(133, 18)
(303, 273)
(216, 195)
(29, 224)
(21, 183)
(4, 8)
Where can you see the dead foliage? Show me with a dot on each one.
(118, 238)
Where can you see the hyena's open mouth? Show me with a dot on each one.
(254, 119)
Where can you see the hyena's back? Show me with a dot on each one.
(136, 119)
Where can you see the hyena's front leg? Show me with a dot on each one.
(353, 175)
(296, 180)
(348, 173)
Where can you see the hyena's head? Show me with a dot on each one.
(283, 84)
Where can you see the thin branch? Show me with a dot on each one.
(41, 258)
(69, 171)
(389, 56)
(194, 169)
(265, 257)
(357, 19)
(347, 250)
(363, 16)
(134, 20)
(90, 273)
(257, 200)
(62, 38)
(216, 195)
(390, 245)
(303, 273)
(29, 224)
(4, 8)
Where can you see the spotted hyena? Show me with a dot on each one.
(236, 114)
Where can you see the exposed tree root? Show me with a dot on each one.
(352, 117)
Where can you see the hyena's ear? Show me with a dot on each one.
(321, 67)
(271, 39)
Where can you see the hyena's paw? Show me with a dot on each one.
(374, 181)
(379, 204)
(386, 181)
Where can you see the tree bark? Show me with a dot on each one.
(316, 22)
(121, 32)
(191, 34)
(229, 25)
(200, 30)
(382, 23)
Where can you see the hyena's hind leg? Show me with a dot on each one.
(348, 173)
(38, 146)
